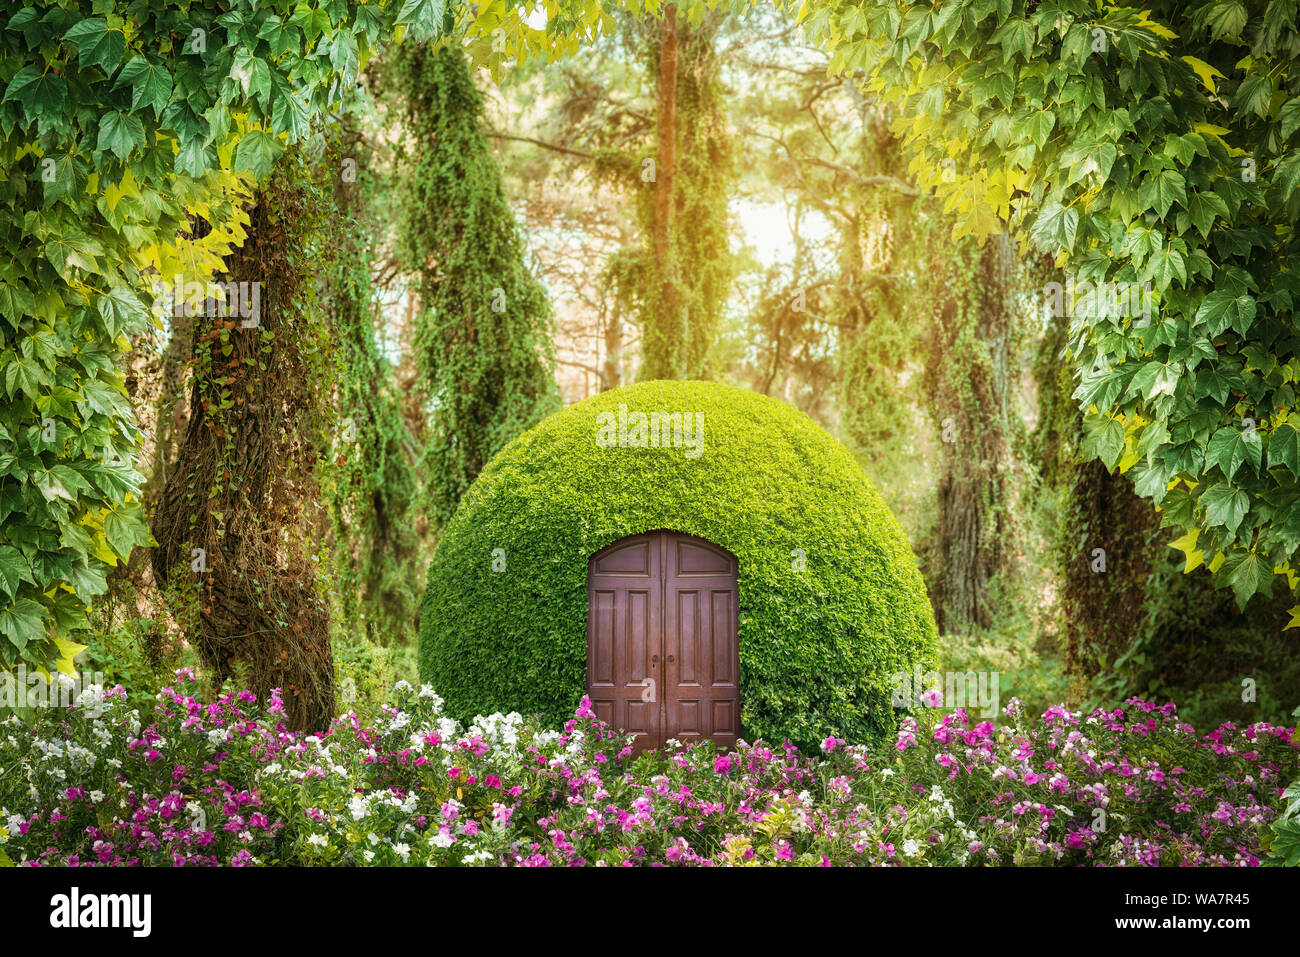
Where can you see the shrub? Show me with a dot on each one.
(818, 644)
(223, 782)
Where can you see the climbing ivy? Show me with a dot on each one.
(119, 123)
(678, 330)
(1138, 146)
(483, 332)
(371, 486)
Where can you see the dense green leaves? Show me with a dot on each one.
(1169, 160)
(120, 122)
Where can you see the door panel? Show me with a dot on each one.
(624, 635)
(663, 606)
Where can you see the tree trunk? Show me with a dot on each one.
(665, 361)
(612, 374)
(971, 384)
(229, 524)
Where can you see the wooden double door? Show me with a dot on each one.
(662, 652)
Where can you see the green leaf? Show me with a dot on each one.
(1284, 448)
(1286, 842)
(257, 152)
(1055, 227)
(124, 531)
(1227, 19)
(22, 622)
(1225, 506)
(1222, 308)
(13, 570)
(151, 85)
(120, 133)
(39, 93)
(424, 16)
(1289, 117)
(1203, 208)
(1103, 438)
(1286, 175)
(97, 45)
(1040, 126)
(1248, 573)
(1162, 190)
(1230, 447)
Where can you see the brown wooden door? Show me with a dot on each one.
(662, 655)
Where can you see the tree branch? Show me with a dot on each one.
(567, 150)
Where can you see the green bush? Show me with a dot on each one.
(818, 643)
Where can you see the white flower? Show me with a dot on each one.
(886, 772)
(318, 840)
(911, 848)
(96, 797)
(403, 850)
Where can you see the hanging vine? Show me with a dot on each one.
(371, 486)
(970, 384)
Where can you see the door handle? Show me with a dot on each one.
(654, 660)
(671, 659)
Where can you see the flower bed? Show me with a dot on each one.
(223, 783)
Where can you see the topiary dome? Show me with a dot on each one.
(831, 604)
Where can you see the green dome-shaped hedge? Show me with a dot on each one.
(831, 601)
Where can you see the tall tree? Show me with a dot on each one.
(240, 508)
(683, 213)
(483, 333)
(971, 378)
(372, 485)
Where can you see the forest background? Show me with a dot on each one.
(454, 255)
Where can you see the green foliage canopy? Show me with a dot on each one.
(121, 124)
(1138, 147)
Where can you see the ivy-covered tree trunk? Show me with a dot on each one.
(483, 333)
(231, 555)
(683, 213)
(970, 377)
(1132, 621)
(664, 338)
(373, 491)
